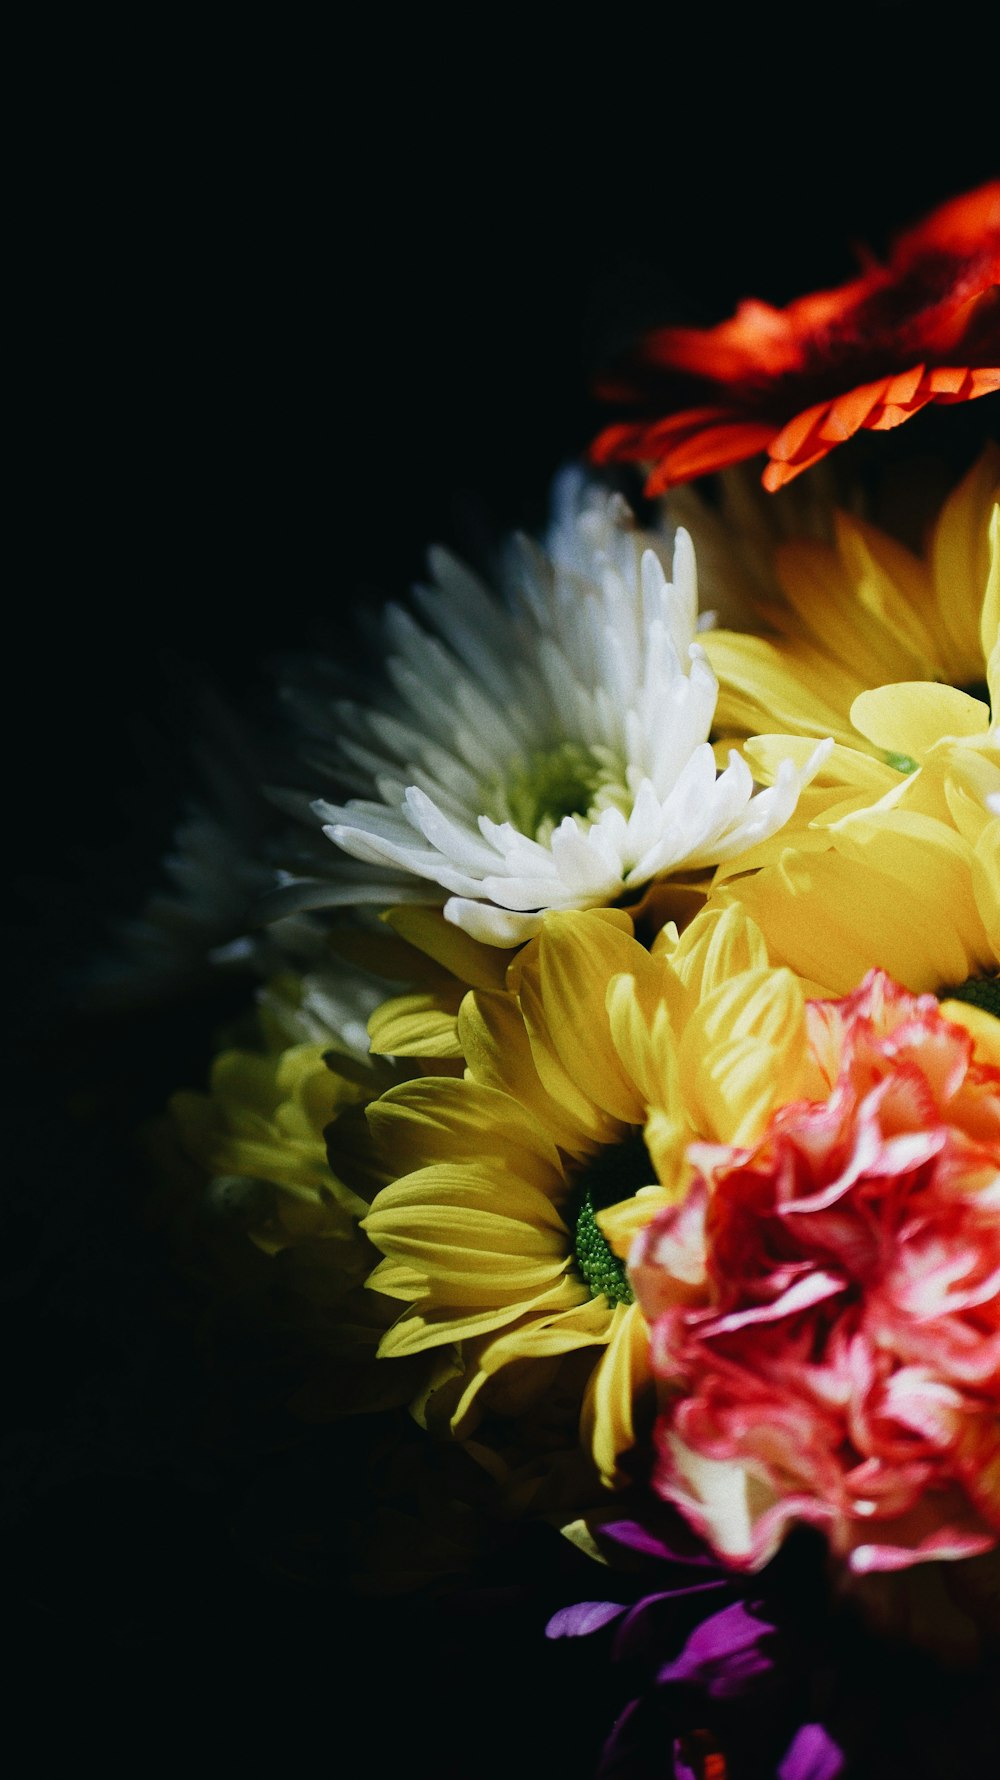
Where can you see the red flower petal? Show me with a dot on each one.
(710, 448)
(798, 381)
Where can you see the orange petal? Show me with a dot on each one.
(849, 412)
(617, 442)
(757, 339)
(963, 226)
(886, 418)
(984, 381)
(903, 388)
(712, 448)
(674, 427)
(947, 379)
(777, 474)
(794, 436)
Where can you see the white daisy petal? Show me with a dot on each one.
(491, 925)
(463, 846)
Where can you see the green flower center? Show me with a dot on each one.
(536, 793)
(613, 1174)
(981, 992)
(903, 763)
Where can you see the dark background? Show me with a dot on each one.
(295, 307)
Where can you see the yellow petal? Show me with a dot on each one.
(641, 1031)
(895, 588)
(843, 766)
(440, 1119)
(420, 1328)
(619, 1405)
(911, 718)
(720, 943)
(765, 686)
(478, 966)
(896, 891)
(986, 886)
(420, 1025)
(518, 1217)
(742, 1052)
(586, 1324)
(563, 1000)
(971, 776)
(579, 1534)
(822, 589)
(498, 1054)
(960, 560)
(620, 1224)
(990, 624)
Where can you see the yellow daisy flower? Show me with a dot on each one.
(885, 651)
(488, 1227)
(572, 1103)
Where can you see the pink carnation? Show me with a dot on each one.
(825, 1305)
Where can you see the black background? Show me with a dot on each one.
(295, 305)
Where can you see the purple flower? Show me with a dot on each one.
(722, 1666)
(812, 1755)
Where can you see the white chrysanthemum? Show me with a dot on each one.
(550, 751)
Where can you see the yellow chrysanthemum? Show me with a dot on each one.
(887, 653)
(259, 1133)
(478, 1230)
(910, 886)
(572, 1102)
(258, 1139)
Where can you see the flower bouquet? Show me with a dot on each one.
(619, 1101)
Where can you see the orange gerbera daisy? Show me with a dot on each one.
(796, 382)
